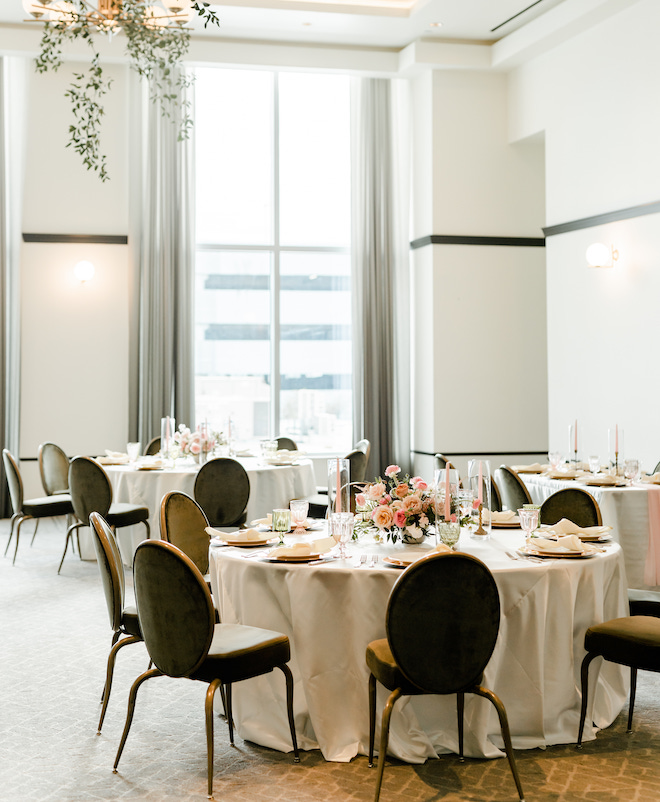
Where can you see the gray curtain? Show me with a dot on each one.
(13, 86)
(381, 408)
(162, 236)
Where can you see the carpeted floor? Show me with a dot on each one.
(54, 641)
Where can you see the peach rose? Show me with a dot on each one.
(392, 470)
(360, 499)
(195, 447)
(400, 518)
(412, 504)
(375, 491)
(382, 517)
(401, 491)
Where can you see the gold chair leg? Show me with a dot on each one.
(289, 709)
(584, 673)
(18, 534)
(109, 672)
(115, 638)
(208, 712)
(384, 738)
(372, 718)
(146, 523)
(506, 734)
(228, 711)
(34, 534)
(633, 690)
(460, 710)
(11, 530)
(69, 535)
(131, 709)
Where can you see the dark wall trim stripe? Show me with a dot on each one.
(483, 453)
(98, 239)
(600, 219)
(450, 239)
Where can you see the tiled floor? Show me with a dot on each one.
(54, 640)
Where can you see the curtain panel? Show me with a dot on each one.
(381, 319)
(162, 233)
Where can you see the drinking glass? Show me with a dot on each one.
(448, 533)
(339, 478)
(631, 470)
(299, 511)
(133, 451)
(281, 522)
(167, 429)
(268, 449)
(529, 520)
(465, 504)
(594, 464)
(555, 457)
(341, 528)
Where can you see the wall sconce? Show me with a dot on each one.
(84, 271)
(599, 255)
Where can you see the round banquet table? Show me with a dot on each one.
(333, 610)
(271, 487)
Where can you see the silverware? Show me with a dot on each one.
(374, 560)
(523, 557)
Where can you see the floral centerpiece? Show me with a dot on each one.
(195, 443)
(396, 507)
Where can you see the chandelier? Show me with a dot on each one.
(157, 40)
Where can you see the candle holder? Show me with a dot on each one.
(339, 480)
(479, 485)
(167, 429)
(615, 448)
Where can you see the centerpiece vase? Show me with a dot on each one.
(412, 534)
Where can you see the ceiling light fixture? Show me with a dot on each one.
(84, 271)
(600, 255)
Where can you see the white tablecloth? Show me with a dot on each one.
(625, 509)
(332, 611)
(270, 487)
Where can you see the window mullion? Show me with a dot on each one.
(275, 268)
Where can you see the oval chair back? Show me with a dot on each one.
(574, 503)
(152, 448)
(110, 568)
(657, 468)
(495, 498)
(14, 480)
(90, 488)
(54, 469)
(445, 647)
(287, 443)
(183, 523)
(440, 462)
(222, 490)
(174, 604)
(512, 489)
(365, 446)
(358, 465)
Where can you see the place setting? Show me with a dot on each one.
(563, 539)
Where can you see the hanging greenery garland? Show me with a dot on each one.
(156, 44)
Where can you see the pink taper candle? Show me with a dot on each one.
(338, 496)
(480, 496)
(616, 438)
(447, 493)
(575, 446)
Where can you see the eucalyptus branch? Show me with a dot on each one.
(206, 13)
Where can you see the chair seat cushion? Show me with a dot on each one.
(130, 621)
(644, 602)
(382, 665)
(318, 505)
(633, 641)
(238, 652)
(121, 514)
(48, 505)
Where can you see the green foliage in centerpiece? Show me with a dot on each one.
(393, 505)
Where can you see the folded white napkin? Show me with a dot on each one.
(536, 466)
(502, 517)
(562, 544)
(652, 479)
(241, 536)
(244, 453)
(562, 474)
(321, 546)
(566, 527)
(600, 478)
(267, 521)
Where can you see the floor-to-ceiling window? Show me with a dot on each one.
(273, 301)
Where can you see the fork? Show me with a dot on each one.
(374, 560)
(530, 559)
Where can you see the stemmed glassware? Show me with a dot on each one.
(631, 470)
(529, 521)
(341, 526)
(555, 458)
(594, 464)
(299, 511)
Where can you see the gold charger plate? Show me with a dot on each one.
(246, 544)
(149, 467)
(405, 561)
(596, 483)
(579, 555)
(534, 470)
(514, 523)
(295, 558)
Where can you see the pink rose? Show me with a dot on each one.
(360, 499)
(375, 491)
(392, 470)
(401, 491)
(384, 500)
(400, 518)
(453, 518)
(382, 517)
(195, 447)
(423, 521)
(418, 483)
(475, 504)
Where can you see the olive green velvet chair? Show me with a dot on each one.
(53, 469)
(123, 619)
(495, 497)
(183, 523)
(286, 443)
(152, 448)
(644, 602)
(633, 641)
(357, 459)
(440, 462)
(28, 509)
(573, 503)
(177, 619)
(222, 490)
(91, 491)
(513, 492)
(442, 650)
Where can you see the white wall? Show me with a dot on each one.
(594, 96)
(74, 383)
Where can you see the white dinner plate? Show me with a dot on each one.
(243, 544)
(589, 551)
(404, 560)
(294, 558)
(514, 523)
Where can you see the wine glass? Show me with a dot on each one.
(449, 533)
(299, 511)
(529, 520)
(281, 522)
(594, 464)
(631, 470)
(555, 458)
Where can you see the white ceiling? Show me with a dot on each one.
(375, 23)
